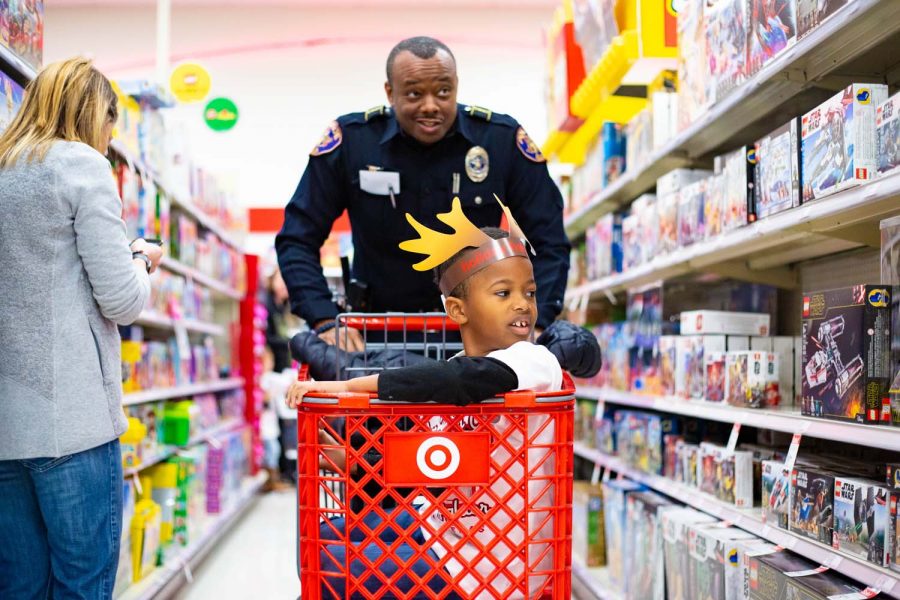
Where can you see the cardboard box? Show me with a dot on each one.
(766, 41)
(812, 13)
(778, 170)
(676, 525)
(769, 574)
(887, 136)
(846, 345)
(724, 322)
(738, 205)
(615, 494)
(812, 503)
(838, 141)
(862, 514)
(715, 376)
(890, 277)
(667, 363)
(645, 563)
(734, 472)
(747, 550)
(713, 570)
(737, 382)
(588, 527)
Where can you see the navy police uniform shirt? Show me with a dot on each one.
(358, 165)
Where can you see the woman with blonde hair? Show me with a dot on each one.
(67, 278)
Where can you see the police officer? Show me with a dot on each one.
(415, 157)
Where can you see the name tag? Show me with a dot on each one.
(380, 183)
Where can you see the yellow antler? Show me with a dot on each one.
(439, 247)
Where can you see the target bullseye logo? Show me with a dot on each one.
(438, 457)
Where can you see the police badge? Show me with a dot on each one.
(477, 164)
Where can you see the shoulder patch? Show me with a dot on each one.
(481, 113)
(330, 140)
(527, 147)
(375, 111)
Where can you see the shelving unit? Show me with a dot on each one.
(205, 280)
(751, 520)
(166, 579)
(15, 67)
(153, 319)
(788, 421)
(224, 427)
(856, 41)
(759, 251)
(182, 391)
(591, 583)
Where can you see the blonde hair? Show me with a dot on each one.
(68, 100)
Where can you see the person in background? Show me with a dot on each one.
(415, 157)
(68, 277)
(269, 429)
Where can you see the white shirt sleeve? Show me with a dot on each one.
(535, 366)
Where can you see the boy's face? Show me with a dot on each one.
(499, 309)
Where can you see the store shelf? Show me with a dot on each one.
(163, 581)
(591, 583)
(153, 319)
(751, 520)
(15, 67)
(169, 451)
(205, 280)
(183, 391)
(758, 251)
(789, 421)
(854, 43)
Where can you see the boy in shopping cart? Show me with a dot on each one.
(488, 284)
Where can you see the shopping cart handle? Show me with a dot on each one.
(399, 323)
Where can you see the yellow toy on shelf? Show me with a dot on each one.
(145, 532)
(131, 442)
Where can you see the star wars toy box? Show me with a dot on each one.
(773, 28)
(690, 213)
(614, 506)
(778, 170)
(845, 350)
(887, 135)
(890, 277)
(747, 550)
(861, 517)
(588, 530)
(812, 503)
(715, 376)
(769, 574)
(812, 13)
(824, 584)
(838, 141)
(738, 201)
(676, 524)
(726, 39)
(724, 322)
(667, 363)
(776, 493)
(644, 562)
(714, 572)
(734, 471)
(893, 484)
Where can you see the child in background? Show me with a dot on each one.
(269, 430)
(488, 284)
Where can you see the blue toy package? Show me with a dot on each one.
(615, 496)
(14, 95)
(612, 137)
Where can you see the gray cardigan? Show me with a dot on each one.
(66, 279)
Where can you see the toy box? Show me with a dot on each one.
(861, 516)
(778, 170)
(632, 255)
(690, 361)
(707, 475)
(893, 484)
(846, 344)
(812, 503)
(639, 142)
(713, 570)
(615, 494)
(667, 363)
(648, 225)
(588, 529)
(612, 137)
(714, 199)
(735, 480)
(664, 109)
(747, 550)
(776, 493)
(724, 322)
(726, 38)
(838, 141)
(890, 277)
(826, 585)
(13, 93)
(769, 574)
(23, 31)
(812, 13)
(773, 27)
(694, 84)
(644, 564)
(658, 427)
(676, 525)
(887, 136)
(737, 369)
(714, 387)
(738, 207)
(690, 213)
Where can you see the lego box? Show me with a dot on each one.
(776, 493)
(778, 170)
(676, 525)
(724, 322)
(812, 13)
(773, 27)
(838, 141)
(644, 562)
(770, 573)
(734, 472)
(715, 376)
(713, 570)
(845, 353)
(893, 484)
(887, 135)
(890, 277)
(812, 503)
(862, 513)
(588, 532)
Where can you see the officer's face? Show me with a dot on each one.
(499, 308)
(422, 92)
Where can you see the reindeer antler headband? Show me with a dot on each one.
(440, 247)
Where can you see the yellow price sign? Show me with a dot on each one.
(189, 82)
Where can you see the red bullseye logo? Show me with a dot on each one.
(438, 457)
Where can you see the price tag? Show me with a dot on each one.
(834, 561)
(186, 568)
(182, 340)
(595, 475)
(733, 439)
(766, 531)
(137, 485)
(792, 452)
(791, 543)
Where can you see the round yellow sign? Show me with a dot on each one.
(189, 82)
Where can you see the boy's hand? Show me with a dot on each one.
(299, 389)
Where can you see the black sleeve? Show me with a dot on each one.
(460, 381)
(317, 203)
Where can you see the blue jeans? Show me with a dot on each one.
(401, 520)
(60, 525)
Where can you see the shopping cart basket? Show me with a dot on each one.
(482, 497)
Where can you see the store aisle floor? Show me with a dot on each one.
(257, 559)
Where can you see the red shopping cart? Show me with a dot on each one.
(480, 495)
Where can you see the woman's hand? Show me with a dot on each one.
(152, 251)
(299, 389)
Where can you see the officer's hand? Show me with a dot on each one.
(351, 339)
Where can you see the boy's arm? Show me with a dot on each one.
(460, 381)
